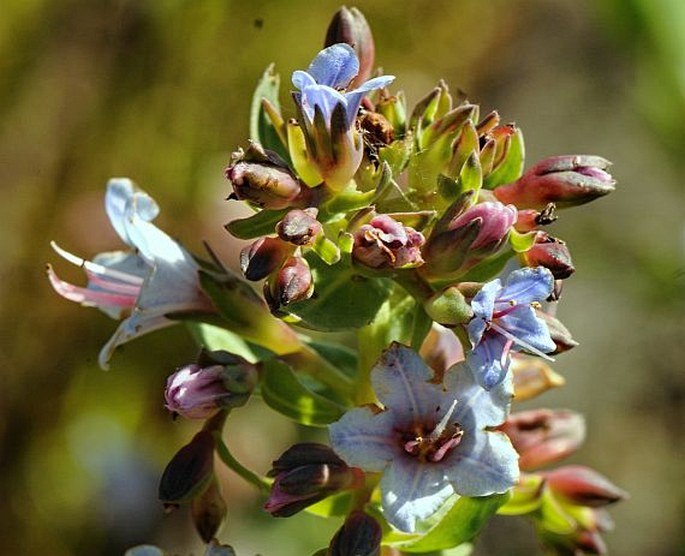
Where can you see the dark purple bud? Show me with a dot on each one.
(350, 26)
(564, 180)
(552, 253)
(262, 178)
(543, 436)
(305, 474)
(386, 243)
(360, 535)
(262, 257)
(208, 512)
(299, 227)
(189, 471)
(583, 486)
(293, 282)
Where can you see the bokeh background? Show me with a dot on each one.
(159, 90)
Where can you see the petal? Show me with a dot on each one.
(335, 66)
(527, 285)
(477, 408)
(364, 439)
(476, 329)
(400, 380)
(118, 199)
(411, 491)
(302, 79)
(484, 463)
(323, 97)
(483, 303)
(532, 331)
(354, 98)
(489, 361)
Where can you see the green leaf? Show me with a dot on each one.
(261, 128)
(461, 524)
(471, 175)
(521, 243)
(525, 497)
(283, 392)
(345, 359)
(336, 505)
(215, 338)
(327, 251)
(261, 223)
(488, 269)
(341, 299)
(511, 168)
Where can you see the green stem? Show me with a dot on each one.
(263, 484)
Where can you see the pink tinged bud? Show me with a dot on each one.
(262, 257)
(552, 253)
(299, 227)
(531, 219)
(564, 180)
(440, 350)
(194, 392)
(350, 26)
(360, 535)
(497, 220)
(292, 283)
(590, 542)
(189, 471)
(584, 486)
(543, 436)
(386, 243)
(208, 512)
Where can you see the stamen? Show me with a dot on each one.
(96, 268)
(519, 342)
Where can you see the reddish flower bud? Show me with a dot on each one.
(583, 486)
(360, 535)
(564, 180)
(551, 253)
(543, 436)
(530, 219)
(305, 474)
(293, 282)
(387, 243)
(262, 257)
(261, 177)
(299, 227)
(349, 26)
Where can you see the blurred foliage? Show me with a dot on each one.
(160, 91)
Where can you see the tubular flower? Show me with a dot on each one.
(329, 111)
(143, 286)
(430, 440)
(505, 320)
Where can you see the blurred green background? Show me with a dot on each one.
(159, 90)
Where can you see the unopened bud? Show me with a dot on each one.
(292, 283)
(584, 486)
(530, 219)
(299, 227)
(360, 535)
(449, 307)
(189, 471)
(440, 350)
(561, 336)
(552, 253)
(261, 177)
(208, 511)
(349, 26)
(386, 243)
(532, 377)
(543, 436)
(564, 180)
(305, 474)
(262, 257)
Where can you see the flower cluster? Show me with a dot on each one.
(419, 237)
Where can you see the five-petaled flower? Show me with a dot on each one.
(505, 319)
(329, 111)
(429, 440)
(143, 286)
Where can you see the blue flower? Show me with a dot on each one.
(142, 286)
(329, 111)
(430, 440)
(505, 319)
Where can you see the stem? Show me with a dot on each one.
(262, 484)
(415, 285)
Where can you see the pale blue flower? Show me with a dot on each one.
(430, 441)
(143, 286)
(505, 320)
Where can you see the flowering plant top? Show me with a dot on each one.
(418, 236)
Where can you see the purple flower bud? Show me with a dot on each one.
(350, 26)
(386, 243)
(261, 258)
(564, 180)
(262, 178)
(543, 436)
(552, 253)
(299, 227)
(583, 486)
(305, 474)
(293, 282)
(360, 535)
(497, 220)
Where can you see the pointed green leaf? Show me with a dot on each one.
(261, 223)
(521, 242)
(261, 129)
(215, 338)
(525, 497)
(338, 504)
(327, 251)
(511, 168)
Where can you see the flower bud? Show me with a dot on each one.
(293, 282)
(560, 335)
(583, 486)
(262, 257)
(564, 180)
(551, 253)
(299, 227)
(532, 377)
(441, 349)
(208, 511)
(543, 436)
(449, 307)
(305, 474)
(530, 219)
(349, 26)
(261, 177)
(189, 471)
(386, 243)
(360, 535)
